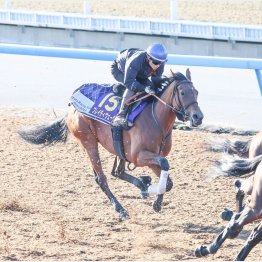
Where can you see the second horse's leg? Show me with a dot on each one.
(254, 238)
(229, 232)
(242, 186)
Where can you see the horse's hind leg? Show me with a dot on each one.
(89, 143)
(141, 183)
(118, 207)
(254, 238)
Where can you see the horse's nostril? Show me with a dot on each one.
(195, 117)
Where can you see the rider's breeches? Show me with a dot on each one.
(127, 94)
(117, 74)
(160, 188)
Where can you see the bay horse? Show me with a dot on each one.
(252, 210)
(244, 148)
(147, 143)
(249, 148)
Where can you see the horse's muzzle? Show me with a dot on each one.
(196, 118)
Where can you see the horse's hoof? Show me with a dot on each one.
(201, 251)
(124, 216)
(237, 183)
(226, 215)
(144, 194)
(157, 206)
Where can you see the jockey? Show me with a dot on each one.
(132, 68)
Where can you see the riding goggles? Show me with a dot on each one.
(156, 62)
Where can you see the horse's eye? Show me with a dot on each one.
(182, 93)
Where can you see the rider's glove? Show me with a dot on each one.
(149, 90)
(158, 81)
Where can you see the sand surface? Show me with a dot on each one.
(52, 209)
(225, 11)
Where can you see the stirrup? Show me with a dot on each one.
(119, 121)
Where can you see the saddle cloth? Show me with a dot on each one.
(99, 102)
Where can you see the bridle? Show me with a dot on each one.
(181, 110)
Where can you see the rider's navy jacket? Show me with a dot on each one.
(135, 66)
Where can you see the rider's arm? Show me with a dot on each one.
(133, 65)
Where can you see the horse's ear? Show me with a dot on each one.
(172, 73)
(188, 74)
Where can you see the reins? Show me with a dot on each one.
(181, 111)
(160, 100)
(134, 98)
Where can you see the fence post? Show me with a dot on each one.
(87, 7)
(8, 4)
(173, 9)
(259, 79)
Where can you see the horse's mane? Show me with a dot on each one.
(177, 76)
(173, 77)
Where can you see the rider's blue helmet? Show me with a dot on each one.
(157, 52)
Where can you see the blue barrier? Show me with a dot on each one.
(205, 61)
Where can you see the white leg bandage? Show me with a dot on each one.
(160, 188)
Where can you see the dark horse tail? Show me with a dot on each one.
(46, 134)
(229, 166)
(233, 147)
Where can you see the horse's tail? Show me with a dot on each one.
(232, 166)
(47, 134)
(233, 146)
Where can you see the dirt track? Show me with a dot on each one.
(51, 207)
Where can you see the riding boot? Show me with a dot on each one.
(120, 119)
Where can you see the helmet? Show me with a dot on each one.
(157, 52)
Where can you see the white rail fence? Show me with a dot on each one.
(174, 28)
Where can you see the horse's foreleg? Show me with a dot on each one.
(160, 167)
(254, 238)
(242, 186)
(141, 183)
(157, 205)
(239, 196)
(231, 231)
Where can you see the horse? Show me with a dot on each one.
(252, 210)
(147, 143)
(249, 148)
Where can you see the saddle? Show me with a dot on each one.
(102, 102)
